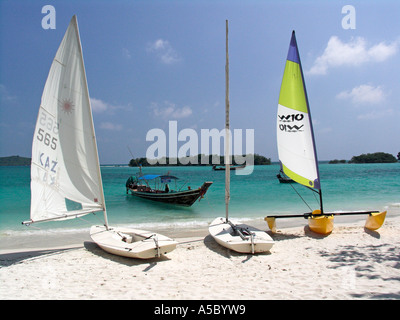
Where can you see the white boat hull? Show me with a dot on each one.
(132, 243)
(224, 234)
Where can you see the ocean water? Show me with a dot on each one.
(345, 187)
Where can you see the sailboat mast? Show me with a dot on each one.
(100, 182)
(227, 133)
(312, 131)
(320, 201)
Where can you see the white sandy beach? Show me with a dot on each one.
(351, 263)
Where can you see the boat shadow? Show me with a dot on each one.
(281, 235)
(8, 259)
(212, 245)
(372, 233)
(96, 250)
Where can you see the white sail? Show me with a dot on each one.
(65, 172)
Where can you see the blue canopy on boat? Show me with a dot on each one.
(149, 177)
(153, 176)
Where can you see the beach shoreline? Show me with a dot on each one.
(351, 263)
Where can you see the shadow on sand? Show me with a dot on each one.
(212, 245)
(149, 263)
(8, 259)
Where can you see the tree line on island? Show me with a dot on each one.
(377, 157)
(15, 161)
(199, 160)
(204, 160)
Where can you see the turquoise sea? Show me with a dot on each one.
(345, 187)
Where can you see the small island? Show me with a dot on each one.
(336, 161)
(377, 157)
(15, 161)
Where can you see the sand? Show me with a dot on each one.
(351, 263)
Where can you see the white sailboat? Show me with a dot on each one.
(228, 233)
(296, 147)
(65, 172)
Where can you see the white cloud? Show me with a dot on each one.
(376, 114)
(164, 51)
(364, 94)
(353, 53)
(170, 111)
(5, 96)
(126, 53)
(102, 106)
(110, 126)
(98, 105)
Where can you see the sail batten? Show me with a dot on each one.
(295, 137)
(65, 175)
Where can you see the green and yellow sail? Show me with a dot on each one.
(295, 137)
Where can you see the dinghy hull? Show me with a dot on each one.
(224, 234)
(132, 243)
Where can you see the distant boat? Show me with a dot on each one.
(223, 167)
(161, 191)
(228, 233)
(296, 146)
(65, 172)
(283, 178)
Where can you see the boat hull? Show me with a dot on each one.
(132, 243)
(222, 168)
(183, 198)
(321, 224)
(375, 220)
(224, 235)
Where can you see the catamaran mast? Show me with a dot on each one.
(227, 133)
(311, 126)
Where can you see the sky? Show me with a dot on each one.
(152, 62)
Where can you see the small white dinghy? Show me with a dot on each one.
(238, 237)
(65, 171)
(132, 243)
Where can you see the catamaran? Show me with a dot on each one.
(228, 233)
(296, 147)
(65, 172)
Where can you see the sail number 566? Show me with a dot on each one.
(47, 139)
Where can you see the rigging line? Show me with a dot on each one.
(300, 196)
(94, 213)
(316, 199)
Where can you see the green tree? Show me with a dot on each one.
(377, 157)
